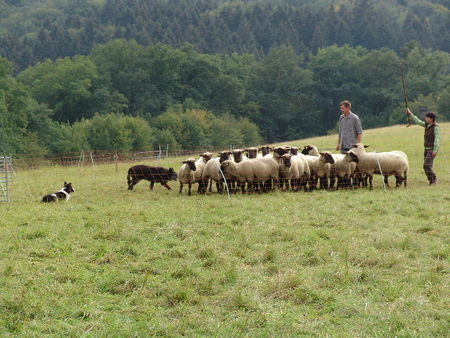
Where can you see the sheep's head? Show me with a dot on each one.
(265, 150)
(226, 167)
(310, 150)
(327, 157)
(280, 151)
(206, 156)
(287, 161)
(252, 152)
(224, 155)
(190, 162)
(294, 150)
(237, 155)
(352, 156)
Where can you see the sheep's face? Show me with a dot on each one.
(224, 155)
(286, 158)
(353, 157)
(237, 155)
(280, 151)
(306, 150)
(190, 163)
(294, 150)
(327, 157)
(225, 166)
(265, 150)
(252, 152)
(206, 157)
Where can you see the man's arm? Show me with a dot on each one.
(437, 134)
(359, 137)
(414, 118)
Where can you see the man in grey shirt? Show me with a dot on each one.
(350, 129)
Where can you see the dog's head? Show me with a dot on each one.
(68, 188)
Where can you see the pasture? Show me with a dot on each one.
(113, 262)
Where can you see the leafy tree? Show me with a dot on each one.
(65, 85)
(283, 89)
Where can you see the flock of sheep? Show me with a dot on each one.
(261, 169)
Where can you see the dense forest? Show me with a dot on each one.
(134, 74)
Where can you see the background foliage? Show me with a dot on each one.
(211, 74)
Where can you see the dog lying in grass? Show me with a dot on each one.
(64, 193)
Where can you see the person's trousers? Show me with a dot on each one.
(428, 165)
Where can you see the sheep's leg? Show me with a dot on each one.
(189, 188)
(386, 181)
(398, 181)
(332, 182)
(370, 181)
(210, 184)
(181, 187)
(151, 185)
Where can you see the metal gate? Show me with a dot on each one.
(5, 177)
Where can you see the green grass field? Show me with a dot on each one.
(113, 262)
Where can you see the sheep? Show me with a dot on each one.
(295, 170)
(303, 169)
(211, 171)
(288, 172)
(343, 168)
(200, 166)
(391, 163)
(320, 168)
(252, 170)
(186, 174)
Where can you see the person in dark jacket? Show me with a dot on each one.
(431, 142)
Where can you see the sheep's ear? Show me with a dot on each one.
(183, 162)
(354, 145)
(65, 183)
(366, 146)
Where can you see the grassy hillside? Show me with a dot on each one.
(115, 262)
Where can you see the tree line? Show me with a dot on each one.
(32, 31)
(126, 96)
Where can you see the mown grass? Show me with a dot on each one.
(121, 263)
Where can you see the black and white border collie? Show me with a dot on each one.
(64, 193)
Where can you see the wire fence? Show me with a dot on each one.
(6, 172)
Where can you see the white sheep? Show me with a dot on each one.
(391, 163)
(211, 171)
(320, 168)
(200, 165)
(295, 170)
(186, 174)
(343, 168)
(257, 170)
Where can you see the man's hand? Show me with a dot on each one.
(408, 111)
(338, 147)
(433, 154)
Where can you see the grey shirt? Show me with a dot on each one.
(349, 128)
